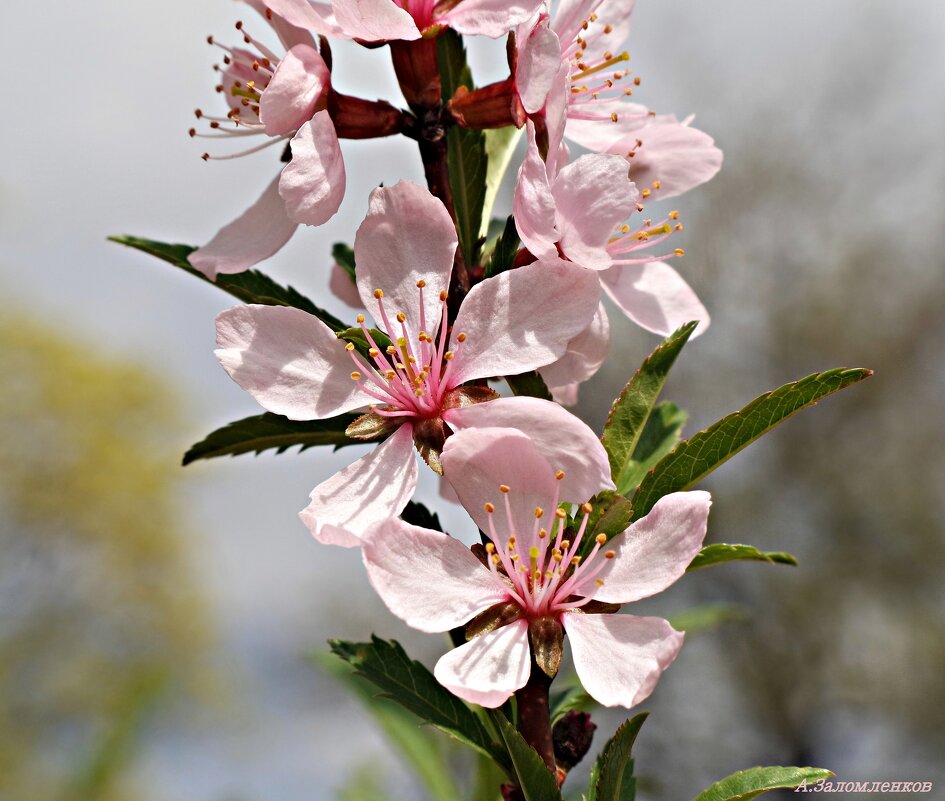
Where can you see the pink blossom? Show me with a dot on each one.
(294, 365)
(529, 586)
(572, 74)
(282, 99)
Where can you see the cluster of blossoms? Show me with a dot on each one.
(444, 327)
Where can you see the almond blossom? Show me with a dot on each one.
(415, 372)
(285, 100)
(385, 20)
(535, 580)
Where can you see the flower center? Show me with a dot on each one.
(547, 571)
(411, 375)
(626, 240)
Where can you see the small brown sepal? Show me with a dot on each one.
(494, 617)
(547, 639)
(370, 426)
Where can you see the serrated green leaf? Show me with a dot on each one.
(632, 409)
(706, 618)
(356, 335)
(693, 459)
(748, 784)
(529, 384)
(609, 779)
(268, 431)
(500, 147)
(660, 435)
(344, 257)
(418, 746)
(417, 514)
(574, 699)
(386, 665)
(505, 250)
(251, 286)
(719, 552)
(530, 771)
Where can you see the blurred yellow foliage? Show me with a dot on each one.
(99, 620)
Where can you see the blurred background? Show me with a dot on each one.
(156, 623)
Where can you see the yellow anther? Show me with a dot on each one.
(560, 514)
(349, 346)
(542, 533)
(421, 284)
(374, 353)
(390, 350)
(401, 317)
(400, 366)
(677, 227)
(495, 559)
(674, 215)
(490, 547)
(355, 376)
(656, 184)
(608, 28)
(442, 294)
(360, 318)
(378, 293)
(646, 193)
(625, 229)
(614, 117)
(565, 544)
(418, 393)
(503, 487)
(490, 509)
(461, 338)
(608, 55)
(512, 540)
(679, 252)
(539, 511)
(587, 508)
(559, 475)
(636, 81)
(601, 539)
(390, 375)
(448, 356)
(556, 555)
(576, 560)
(599, 582)
(609, 554)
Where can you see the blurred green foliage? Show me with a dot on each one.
(99, 621)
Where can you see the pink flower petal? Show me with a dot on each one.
(374, 488)
(492, 18)
(556, 118)
(288, 360)
(619, 658)
(522, 319)
(583, 358)
(562, 440)
(296, 86)
(375, 20)
(407, 236)
(602, 132)
(676, 155)
(593, 196)
(290, 35)
(429, 580)
(313, 183)
(317, 16)
(539, 58)
(614, 14)
(343, 288)
(656, 550)
(258, 233)
(654, 296)
(488, 669)
(533, 204)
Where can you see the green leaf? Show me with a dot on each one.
(660, 435)
(631, 411)
(574, 699)
(530, 384)
(695, 458)
(505, 250)
(418, 746)
(251, 286)
(530, 771)
(500, 147)
(706, 617)
(719, 552)
(609, 778)
(747, 784)
(356, 335)
(263, 432)
(417, 514)
(344, 258)
(466, 150)
(386, 665)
